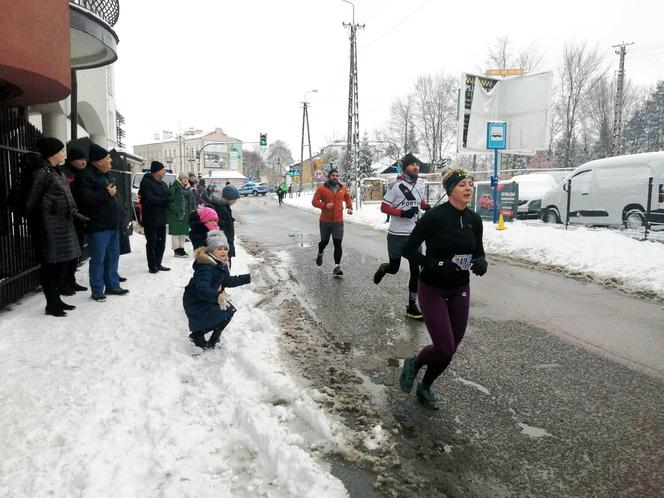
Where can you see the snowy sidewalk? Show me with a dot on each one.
(605, 256)
(112, 401)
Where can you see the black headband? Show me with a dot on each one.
(453, 179)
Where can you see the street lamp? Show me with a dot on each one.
(305, 119)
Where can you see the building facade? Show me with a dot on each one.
(194, 151)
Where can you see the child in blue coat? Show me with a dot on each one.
(204, 298)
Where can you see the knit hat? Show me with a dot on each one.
(156, 166)
(230, 193)
(206, 214)
(97, 152)
(332, 170)
(75, 153)
(49, 146)
(409, 159)
(216, 239)
(452, 177)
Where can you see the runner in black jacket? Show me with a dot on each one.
(453, 237)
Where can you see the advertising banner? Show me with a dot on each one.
(508, 200)
(214, 156)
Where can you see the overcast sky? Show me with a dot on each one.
(245, 65)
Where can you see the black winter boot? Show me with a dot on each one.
(198, 338)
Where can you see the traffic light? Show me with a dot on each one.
(263, 139)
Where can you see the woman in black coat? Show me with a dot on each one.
(51, 209)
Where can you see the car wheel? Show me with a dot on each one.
(263, 194)
(254, 193)
(551, 216)
(634, 219)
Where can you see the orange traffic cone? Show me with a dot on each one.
(501, 223)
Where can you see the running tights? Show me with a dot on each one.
(446, 316)
(393, 267)
(338, 251)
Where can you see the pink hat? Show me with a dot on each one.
(207, 214)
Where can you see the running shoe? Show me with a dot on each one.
(380, 273)
(426, 397)
(319, 259)
(412, 311)
(408, 375)
(337, 272)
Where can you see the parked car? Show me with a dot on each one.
(136, 183)
(531, 189)
(253, 189)
(610, 192)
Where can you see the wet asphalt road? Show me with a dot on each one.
(556, 389)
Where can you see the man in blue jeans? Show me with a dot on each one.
(100, 203)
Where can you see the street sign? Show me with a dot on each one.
(318, 174)
(496, 135)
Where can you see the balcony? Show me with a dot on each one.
(93, 41)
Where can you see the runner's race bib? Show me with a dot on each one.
(463, 261)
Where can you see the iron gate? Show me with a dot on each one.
(18, 267)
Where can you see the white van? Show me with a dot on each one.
(610, 192)
(532, 187)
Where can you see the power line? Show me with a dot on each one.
(395, 26)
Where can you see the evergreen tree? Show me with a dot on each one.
(365, 159)
(644, 132)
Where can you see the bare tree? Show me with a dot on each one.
(399, 133)
(581, 69)
(279, 158)
(253, 165)
(500, 54)
(435, 100)
(530, 59)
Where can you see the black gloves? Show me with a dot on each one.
(409, 213)
(479, 266)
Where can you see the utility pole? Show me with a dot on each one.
(617, 143)
(353, 136)
(305, 122)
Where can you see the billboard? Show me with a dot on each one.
(508, 200)
(214, 156)
(523, 102)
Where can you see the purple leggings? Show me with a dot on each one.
(446, 316)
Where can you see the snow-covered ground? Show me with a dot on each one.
(113, 400)
(604, 255)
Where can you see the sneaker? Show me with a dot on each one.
(319, 259)
(100, 298)
(412, 311)
(408, 375)
(79, 288)
(117, 291)
(163, 268)
(426, 397)
(380, 273)
(337, 272)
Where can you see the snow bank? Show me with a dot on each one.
(605, 255)
(113, 400)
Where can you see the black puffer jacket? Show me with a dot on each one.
(155, 199)
(226, 220)
(51, 210)
(105, 211)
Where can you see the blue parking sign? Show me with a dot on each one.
(496, 135)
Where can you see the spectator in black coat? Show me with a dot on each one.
(222, 205)
(73, 169)
(99, 201)
(51, 210)
(155, 199)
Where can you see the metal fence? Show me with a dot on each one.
(108, 10)
(18, 267)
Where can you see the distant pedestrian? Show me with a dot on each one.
(73, 170)
(201, 192)
(205, 301)
(182, 203)
(222, 205)
(101, 204)
(200, 223)
(290, 191)
(330, 198)
(155, 200)
(51, 210)
(453, 237)
(403, 202)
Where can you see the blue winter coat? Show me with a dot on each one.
(200, 296)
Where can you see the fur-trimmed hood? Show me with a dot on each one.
(202, 257)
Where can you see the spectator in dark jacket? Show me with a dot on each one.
(51, 209)
(155, 199)
(200, 223)
(73, 169)
(222, 205)
(100, 203)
